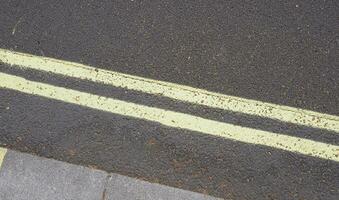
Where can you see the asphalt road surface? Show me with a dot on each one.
(280, 52)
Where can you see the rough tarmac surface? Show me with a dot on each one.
(275, 51)
(285, 52)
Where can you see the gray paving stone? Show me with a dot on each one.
(122, 187)
(27, 177)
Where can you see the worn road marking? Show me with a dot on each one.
(172, 119)
(16, 25)
(3, 152)
(174, 91)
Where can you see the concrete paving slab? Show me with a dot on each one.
(122, 187)
(24, 176)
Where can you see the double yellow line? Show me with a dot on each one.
(171, 118)
(174, 91)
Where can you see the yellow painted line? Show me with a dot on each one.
(173, 119)
(174, 91)
(3, 152)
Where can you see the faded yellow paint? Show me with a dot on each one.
(173, 119)
(174, 91)
(3, 152)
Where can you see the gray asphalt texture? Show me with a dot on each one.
(285, 52)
